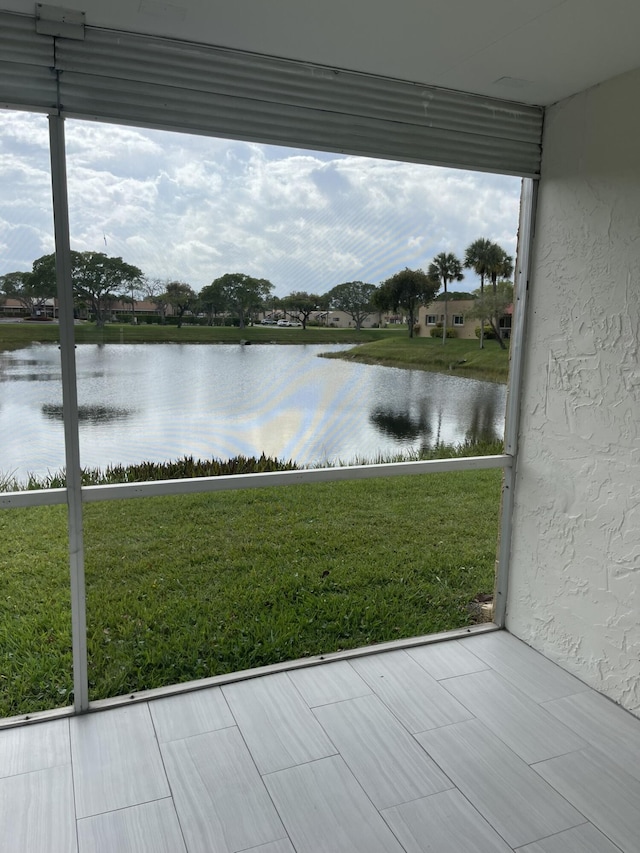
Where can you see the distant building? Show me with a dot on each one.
(431, 317)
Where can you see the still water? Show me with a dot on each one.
(162, 401)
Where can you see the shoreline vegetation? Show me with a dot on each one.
(386, 347)
(187, 467)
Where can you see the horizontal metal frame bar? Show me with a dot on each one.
(245, 674)
(231, 482)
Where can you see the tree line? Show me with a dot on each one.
(99, 280)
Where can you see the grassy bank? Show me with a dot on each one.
(17, 335)
(391, 347)
(189, 586)
(459, 357)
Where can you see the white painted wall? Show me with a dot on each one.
(575, 584)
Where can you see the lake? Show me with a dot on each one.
(162, 401)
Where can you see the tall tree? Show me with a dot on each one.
(478, 257)
(32, 293)
(301, 305)
(407, 289)
(213, 300)
(500, 266)
(355, 298)
(244, 294)
(492, 305)
(154, 289)
(97, 279)
(446, 268)
(182, 297)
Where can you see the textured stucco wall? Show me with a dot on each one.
(574, 589)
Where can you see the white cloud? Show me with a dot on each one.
(192, 208)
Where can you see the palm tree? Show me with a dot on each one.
(478, 257)
(500, 265)
(445, 267)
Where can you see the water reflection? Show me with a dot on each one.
(89, 414)
(404, 426)
(155, 402)
(483, 420)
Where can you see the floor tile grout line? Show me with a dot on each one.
(408, 650)
(265, 844)
(73, 786)
(166, 776)
(390, 709)
(233, 725)
(466, 799)
(562, 831)
(124, 808)
(526, 700)
(262, 775)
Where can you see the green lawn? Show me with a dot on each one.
(17, 335)
(392, 346)
(189, 586)
(459, 357)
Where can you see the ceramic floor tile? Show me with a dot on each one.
(283, 846)
(116, 760)
(604, 793)
(149, 828)
(522, 666)
(502, 787)
(529, 730)
(582, 839)
(331, 682)
(446, 659)
(221, 801)
(276, 723)
(178, 717)
(416, 698)
(604, 725)
(386, 760)
(37, 812)
(443, 823)
(35, 747)
(325, 810)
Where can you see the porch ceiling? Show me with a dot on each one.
(530, 51)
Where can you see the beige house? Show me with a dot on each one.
(431, 317)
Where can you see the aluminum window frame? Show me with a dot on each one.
(32, 77)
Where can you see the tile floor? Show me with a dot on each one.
(477, 745)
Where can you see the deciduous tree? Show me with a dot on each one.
(301, 305)
(491, 305)
(244, 294)
(407, 289)
(32, 293)
(182, 297)
(213, 300)
(354, 298)
(97, 279)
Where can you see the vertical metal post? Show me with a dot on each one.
(70, 411)
(514, 392)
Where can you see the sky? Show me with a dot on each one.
(192, 208)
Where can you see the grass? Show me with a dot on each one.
(461, 357)
(189, 586)
(18, 335)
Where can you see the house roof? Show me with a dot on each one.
(534, 52)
